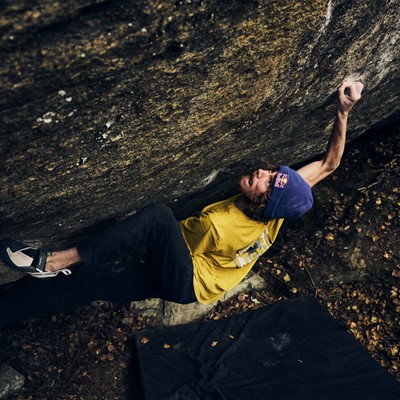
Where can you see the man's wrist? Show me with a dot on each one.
(342, 114)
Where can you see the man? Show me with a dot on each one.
(199, 258)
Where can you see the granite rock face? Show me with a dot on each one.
(10, 381)
(168, 313)
(107, 106)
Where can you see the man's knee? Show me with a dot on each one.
(159, 211)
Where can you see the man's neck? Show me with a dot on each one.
(241, 203)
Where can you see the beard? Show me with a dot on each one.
(255, 203)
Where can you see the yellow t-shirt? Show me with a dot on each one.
(224, 244)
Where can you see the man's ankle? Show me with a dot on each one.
(62, 259)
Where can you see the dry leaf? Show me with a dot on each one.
(144, 340)
(242, 296)
(396, 273)
(330, 236)
(394, 351)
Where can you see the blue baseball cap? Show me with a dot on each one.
(291, 196)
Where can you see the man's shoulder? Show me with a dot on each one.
(221, 206)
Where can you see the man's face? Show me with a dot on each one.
(256, 184)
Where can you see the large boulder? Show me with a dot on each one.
(107, 106)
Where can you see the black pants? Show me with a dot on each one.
(143, 256)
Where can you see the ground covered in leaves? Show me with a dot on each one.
(345, 253)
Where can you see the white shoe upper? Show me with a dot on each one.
(19, 258)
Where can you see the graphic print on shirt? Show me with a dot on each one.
(252, 252)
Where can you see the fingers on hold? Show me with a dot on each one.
(355, 90)
(359, 86)
(342, 87)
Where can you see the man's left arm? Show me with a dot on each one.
(318, 170)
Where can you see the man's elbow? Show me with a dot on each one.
(330, 166)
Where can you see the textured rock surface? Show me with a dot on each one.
(168, 313)
(10, 381)
(108, 105)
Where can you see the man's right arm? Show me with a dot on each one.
(318, 170)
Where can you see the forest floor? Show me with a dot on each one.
(345, 253)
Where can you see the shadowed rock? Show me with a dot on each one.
(107, 106)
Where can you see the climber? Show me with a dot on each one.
(150, 254)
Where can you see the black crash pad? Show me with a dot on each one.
(291, 350)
